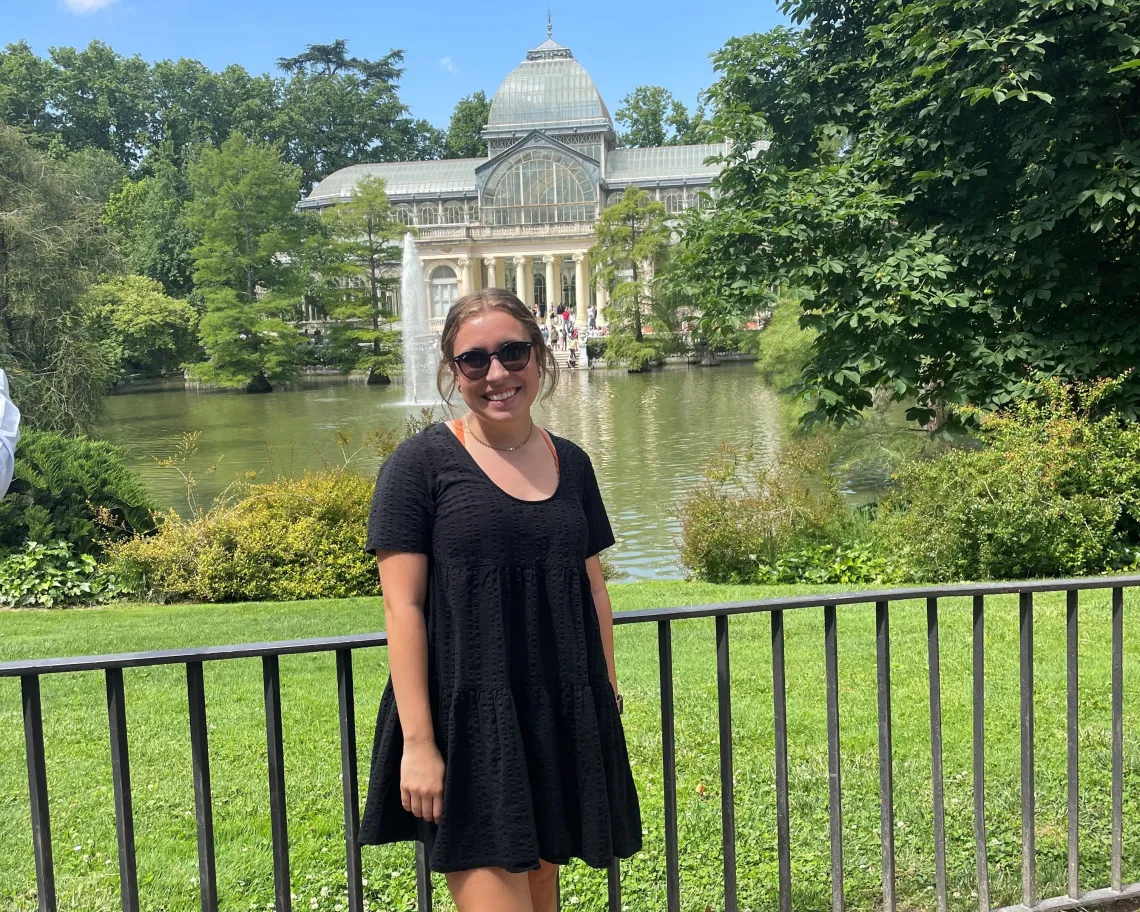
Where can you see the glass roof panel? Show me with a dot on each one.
(545, 92)
(663, 162)
(455, 175)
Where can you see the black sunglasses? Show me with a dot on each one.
(474, 364)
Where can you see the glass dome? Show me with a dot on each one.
(548, 89)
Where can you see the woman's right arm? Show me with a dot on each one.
(403, 579)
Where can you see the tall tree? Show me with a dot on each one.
(147, 220)
(339, 110)
(654, 117)
(102, 100)
(982, 224)
(632, 239)
(193, 106)
(52, 246)
(364, 227)
(243, 211)
(467, 122)
(25, 89)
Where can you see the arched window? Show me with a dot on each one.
(539, 186)
(473, 213)
(429, 215)
(454, 214)
(404, 215)
(444, 290)
(674, 201)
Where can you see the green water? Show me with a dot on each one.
(648, 435)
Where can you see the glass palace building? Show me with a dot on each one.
(523, 217)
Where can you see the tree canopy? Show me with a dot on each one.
(956, 196)
(243, 212)
(632, 238)
(326, 110)
(467, 122)
(652, 116)
(53, 244)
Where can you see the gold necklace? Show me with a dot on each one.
(510, 449)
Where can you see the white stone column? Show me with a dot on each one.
(491, 264)
(603, 303)
(581, 289)
(554, 296)
(465, 266)
(520, 277)
(551, 293)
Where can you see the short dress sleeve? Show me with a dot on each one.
(599, 535)
(403, 505)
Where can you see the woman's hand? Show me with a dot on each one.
(421, 780)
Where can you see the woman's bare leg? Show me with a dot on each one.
(544, 887)
(490, 890)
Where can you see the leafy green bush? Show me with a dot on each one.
(623, 350)
(1053, 490)
(51, 576)
(745, 341)
(73, 489)
(667, 344)
(298, 538)
(784, 348)
(752, 520)
(596, 348)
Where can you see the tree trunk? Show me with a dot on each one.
(375, 378)
(636, 305)
(375, 299)
(259, 384)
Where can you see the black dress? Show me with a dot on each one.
(523, 710)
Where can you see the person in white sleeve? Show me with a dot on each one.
(9, 434)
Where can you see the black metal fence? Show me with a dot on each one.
(112, 667)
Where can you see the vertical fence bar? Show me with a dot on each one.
(613, 886)
(979, 674)
(934, 667)
(350, 784)
(203, 802)
(1117, 738)
(1028, 805)
(886, 768)
(121, 780)
(423, 879)
(780, 713)
(1072, 740)
(727, 793)
(669, 764)
(278, 821)
(37, 791)
(834, 794)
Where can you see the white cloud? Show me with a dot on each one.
(447, 63)
(86, 7)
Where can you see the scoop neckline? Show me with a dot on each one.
(487, 478)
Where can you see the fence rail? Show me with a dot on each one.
(30, 672)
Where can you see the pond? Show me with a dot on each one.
(648, 435)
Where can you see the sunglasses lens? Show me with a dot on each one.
(515, 355)
(474, 363)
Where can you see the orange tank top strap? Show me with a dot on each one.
(553, 452)
(457, 424)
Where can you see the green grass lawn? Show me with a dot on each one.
(79, 777)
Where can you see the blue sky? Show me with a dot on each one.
(452, 48)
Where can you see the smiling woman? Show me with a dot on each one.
(498, 740)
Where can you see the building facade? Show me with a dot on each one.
(523, 217)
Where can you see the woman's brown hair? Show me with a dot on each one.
(479, 302)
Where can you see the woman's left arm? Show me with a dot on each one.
(605, 611)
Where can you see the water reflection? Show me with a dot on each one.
(648, 436)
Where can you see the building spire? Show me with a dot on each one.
(549, 25)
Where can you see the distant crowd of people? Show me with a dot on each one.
(561, 331)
